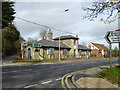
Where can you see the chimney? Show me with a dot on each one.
(50, 35)
(76, 36)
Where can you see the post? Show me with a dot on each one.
(59, 36)
(110, 56)
(22, 49)
(119, 54)
(119, 45)
(60, 30)
(5, 46)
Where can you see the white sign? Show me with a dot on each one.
(113, 37)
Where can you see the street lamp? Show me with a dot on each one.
(22, 43)
(59, 33)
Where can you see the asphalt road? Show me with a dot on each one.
(44, 75)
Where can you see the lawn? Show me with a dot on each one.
(112, 75)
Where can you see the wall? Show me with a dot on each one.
(70, 43)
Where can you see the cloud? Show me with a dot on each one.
(52, 14)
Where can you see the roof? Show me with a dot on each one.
(81, 47)
(100, 46)
(66, 37)
(48, 43)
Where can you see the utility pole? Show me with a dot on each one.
(110, 55)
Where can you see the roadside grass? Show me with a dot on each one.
(114, 57)
(33, 60)
(112, 75)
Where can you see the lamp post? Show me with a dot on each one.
(60, 31)
(22, 43)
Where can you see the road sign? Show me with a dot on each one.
(113, 37)
(36, 45)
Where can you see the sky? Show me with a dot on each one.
(52, 14)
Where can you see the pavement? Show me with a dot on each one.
(89, 79)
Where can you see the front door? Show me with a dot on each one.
(29, 53)
(74, 53)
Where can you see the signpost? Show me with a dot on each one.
(112, 37)
(36, 45)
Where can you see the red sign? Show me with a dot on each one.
(117, 30)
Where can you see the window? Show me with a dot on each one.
(64, 51)
(74, 42)
(51, 51)
(37, 49)
(80, 52)
(87, 52)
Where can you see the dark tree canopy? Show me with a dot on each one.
(109, 8)
(11, 33)
(7, 13)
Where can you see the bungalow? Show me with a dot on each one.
(44, 49)
(97, 49)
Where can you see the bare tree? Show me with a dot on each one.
(109, 8)
(83, 43)
(30, 41)
(43, 34)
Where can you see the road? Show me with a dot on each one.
(44, 75)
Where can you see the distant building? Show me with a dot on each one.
(98, 49)
(45, 49)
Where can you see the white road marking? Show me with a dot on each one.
(30, 86)
(17, 71)
(46, 82)
(58, 79)
(36, 64)
(93, 62)
(12, 71)
(28, 70)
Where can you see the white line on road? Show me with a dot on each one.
(17, 71)
(58, 79)
(46, 82)
(30, 86)
(28, 70)
(12, 71)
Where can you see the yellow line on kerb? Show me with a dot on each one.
(68, 74)
(62, 81)
(66, 81)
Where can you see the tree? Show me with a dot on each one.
(83, 43)
(109, 8)
(115, 52)
(18, 42)
(11, 33)
(7, 13)
(43, 34)
(30, 41)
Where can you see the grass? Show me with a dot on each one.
(112, 74)
(34, 60)
(114, 57)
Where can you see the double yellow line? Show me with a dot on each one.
(65, 77)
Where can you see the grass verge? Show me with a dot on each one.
(33, 60)
(112, 74)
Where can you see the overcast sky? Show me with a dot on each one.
(52, 14)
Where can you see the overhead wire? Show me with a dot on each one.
(44, 25)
